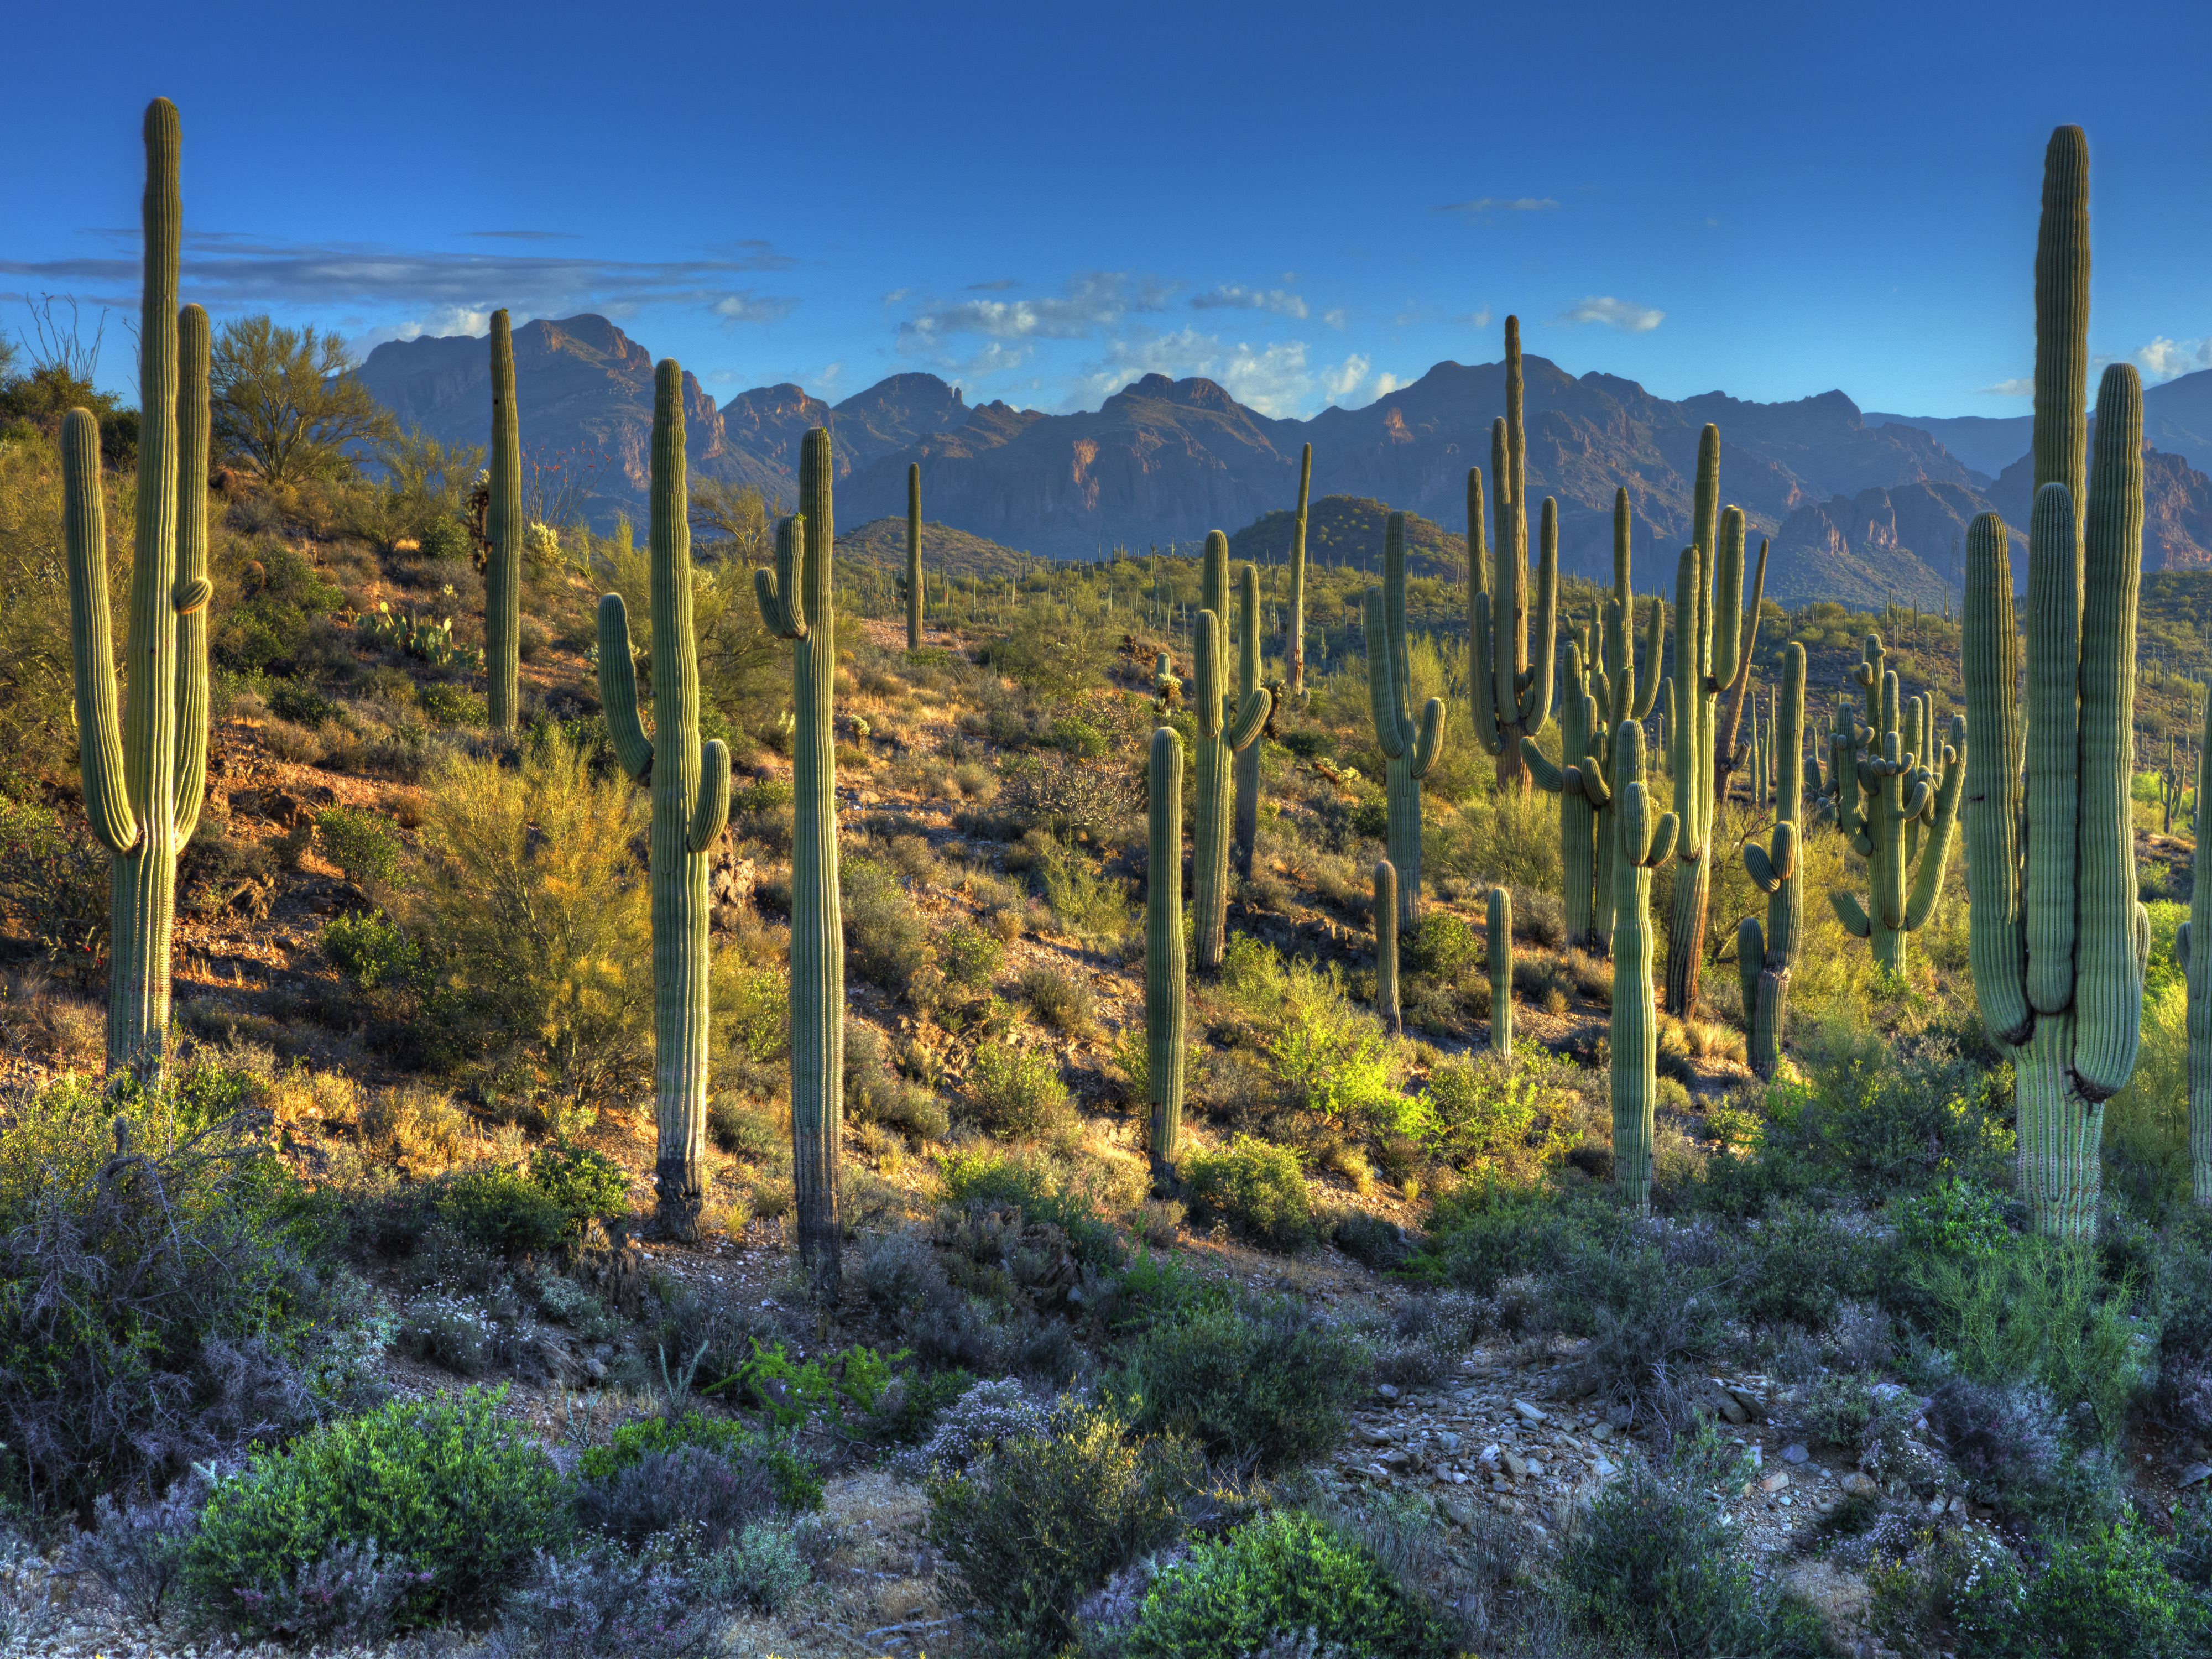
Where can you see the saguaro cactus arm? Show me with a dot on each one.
(782, 606)
(618, 691)
(84, 530)
(1928, 881)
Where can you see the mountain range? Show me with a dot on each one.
(1860, 507)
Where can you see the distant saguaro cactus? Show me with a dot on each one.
(1298, 686)
(1765, 961)
(503, 531)
(2193, 949)
(1221, 732)
(1634, 1034)
(1409, 751)
(914, 556)
(1512, 695)
(1246, 835)
(1501, 973)
(1163, 969)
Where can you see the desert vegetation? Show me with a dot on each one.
(571, 1096)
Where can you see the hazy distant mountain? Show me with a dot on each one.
(2177, 419)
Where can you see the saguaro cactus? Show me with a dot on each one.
(1728, 754)
(914, 556)
(503, 532)
(1634, 1031)
(1386, 945)
(1164, 972)
(795, 604)
(1767, 961)
(1579, 782)
(1220, 733)
(1246, 835)
(2194, 949)
(144, 777)
(690, 786)
(1500, 945)
(1298, 687)
(1512, 697)
(1408, 751)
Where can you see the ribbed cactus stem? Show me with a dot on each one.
(1164, 964)
(1409, 751)
(1385, 946)
(1298, 686)
(1692, 724)
(1767, 959)
(914, 556)
(1501, 973)
(503, 532)
(1512, 694)
(689, 787)
(2194, 948)
(1634, 1031)
(1577, 813)
(795, 603)
(1222, 732)
(1245, 834)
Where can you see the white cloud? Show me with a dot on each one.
(1092, 300)
(1340, 382)
(2021, 387)
(1231, 297)
(1623, 314)
(895, 295)
(2163, 358)
(1501, 204)
(1336, 319)
(1479, 318)
(748, 307)
(1386, 383)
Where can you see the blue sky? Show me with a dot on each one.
(1308, 204)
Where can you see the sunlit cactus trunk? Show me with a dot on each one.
(1409, 751)
(1298, 684)
(914, 556)
(1512, 696)
(1634, 1032)
(1164, 960)
(503, 531)
(1385, 946)
(1500, 945)
(1245, 837)
(2194, 949)
(1221, 732)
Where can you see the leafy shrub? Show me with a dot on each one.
(372, 953)
(450, 1331)
(1443, 946)
(971, 957)
(741, 1129)
(2001, 1439)
(760, 1568)
(1509, 1117)
(1024, 1534)
(449, 705)
(1953, 1217)
(585, 1184)
(1653, 1298)
(988, 1415)
(1268, 1380)
(137, 1550)
(1256, 1187)
(792, 1479)
(1017, 1092)
(1290, 1573)
(885, 939)
(360, 843)
(2106, 1592)
(604, 1602)
(501, 1210)
(448, 1486)
(1043, 1190)
(1060, 1000)
(349, 1594)
(1090, 904)
(688, 1487)
(1802, 1265)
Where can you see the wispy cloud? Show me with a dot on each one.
(1230, 296)
(1092, 300)
(527, 236)
(1278, 378)
(749, 307)
(2163, 358)
(1336, 319)
(1500, 204)
(1623, 314)
(2019, 386)
(998, 287)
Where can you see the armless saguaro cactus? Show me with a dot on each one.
(690, 791)
(1221, 732)
(795, 603)
(1512, 697)
(145, 775)
(2194, 948)
(1246, 835)
(1298, 686)
(914, 556)
(1634, 1032)
(503, 532)
(1500, 947)
(1766, 960)
(1385, 946)
(1408, 751)
(1163, 970)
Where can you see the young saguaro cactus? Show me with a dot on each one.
(795, 603)
(1246, 834)
(690, 791)
(2194, 949)
(1164, 1007)
(1634, 1032)
(1385, 946)
(144, 776)
(914, 556)
(1512, 697)
(1298, 686)
(1500, 945)
(1221, 732)
(503, 528)
(1767, 960)
(1409, 751)
(1580, 784)
(1897, 792)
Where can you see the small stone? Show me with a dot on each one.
(1490, 1454)
(1398, 1457)
(1795, 1453)
(1732, 1408)
(1859, 1485)
(1536, 1467)
(2195, 1472)
(1604, 1468)
(1516, 1465)
(1602, 1434)
(1775, 1482)
(1528, 1413)
(1386, 1391)
(1372, 1437)
(1457, 1511)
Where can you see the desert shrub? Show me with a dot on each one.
(985, 1416)
(352, 1593)
(1268, 1380)
(742, 1129)
(1017, 1091)
(586, 1184)
(53, 878)
(1060, 999)
(1653, 1298)
(1380, 1243)
(1484, 1232)
(708, 1320)
(460, 1494)
(136, 1549)
(971, 957)
(1802, 1266)
(452, 1331)
(1257, 1189)
(1443, 946)
(2183, 1307)
(1509, 1118)
(604, 1601)
(372, 953)
(762, 1568)
(1951, 1219)
(535, 912)
(500, 1210)
(1090, 904)
(793, 1480)
(2003, 1438)
(1043, 1189)
(886, 938)
(2107, 1590)
(1025, 1533)
(752, 1007)
(1291, 1573)
(688, 1488)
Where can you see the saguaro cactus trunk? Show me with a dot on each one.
(1579, 782)
(1767, 961)
(1298, 687)
(1220, 733)
(1499, 945)
(2194, 948)
(1164, 970)
(1408, 751)
(914, 556)
(144, 777)
(1512, 697)
(1634, 1032)
(691, 791)
(503, 532)
(1385, 946)
(795, 603)
(1246, 835)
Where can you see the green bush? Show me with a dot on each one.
(885, 939)
(1060, 1000)
(1017, 1092)
(361, 844)
(1953, 1217)
(797, 1483)
(449, 705)
(1443, 947)
(2109, 1592)
(1258, 1189)
(372, 953)
(1509, 1118)
(1268, 1380)
(1484, 1233)
(1043, 1190)
(458, 1492)
(971, 957)
(1032, 1530)
(501, 1210)
(291, 701)
(1800, 1267)
(586, 1184)
(1291, 1572)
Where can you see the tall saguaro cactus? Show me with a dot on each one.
(914, 556)
(795, 603)
(1634, 1032)
(1579, 782)
(1408, 751)
(1221, 732)
(1164, 973)
(144, 776)
(1882, 803)
(1728, 754)
(1620, 696)
(2194, 948)
(690, 791)
(503, 532)
(1385, 946)
(1246, 835)
(1500, 946)
(1512, 695)
(1767, 960)
(1298, 686)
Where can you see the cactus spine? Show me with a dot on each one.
(144, 778)
(691, 791)
(1247, 831)
(1298, 687)
(914, 556)
(1385, 946)
(1765, 961)
(503, 532)
(1408, 751)
(2194, 950)
(1501, 973)
(1220, 733)
(795, 602)
(1634, 1031)
(1164, 970)
(1512, 697)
